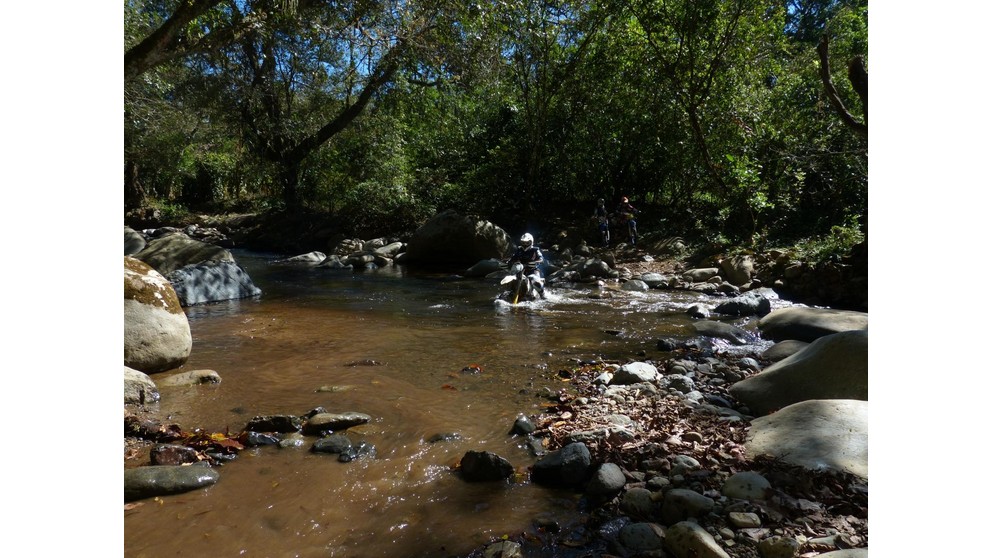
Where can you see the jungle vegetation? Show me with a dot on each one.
(734, 121)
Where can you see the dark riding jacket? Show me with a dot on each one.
(531, 257)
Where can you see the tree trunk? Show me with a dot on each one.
(290, 175)
(134, 192)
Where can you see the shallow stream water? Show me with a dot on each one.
(447, 356)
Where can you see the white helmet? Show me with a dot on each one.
(527, 240)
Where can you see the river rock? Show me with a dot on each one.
(720, 330)
(751, 303)
(335, 443)
(452, 238)
(606, 482)
(485, 466)
(175, 250)
(321, 423)
(698, 310)
(746, 485)
(212, 281)
(809, 324)
(738, 269)
(172, 454)
(139, 389)
(275, 423)
(820, 434)
(303, 260)
(783, 349)
(687, 539)
(503, 549)
(642, 537)
(156, 331)
(778, 547)
(357, 451)
(190, 378)
(638, 502)
(635, 285)
(635, 373)
(700, 275)
(567, 466)
(134, 242)
(681, 504)
(523, 426)
(161, 480)
(832, 367)
(655, 280)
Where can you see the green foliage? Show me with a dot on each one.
(710, 115)
(832, 246)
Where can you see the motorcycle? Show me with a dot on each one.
(522, 287)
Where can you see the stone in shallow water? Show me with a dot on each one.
(161, 480)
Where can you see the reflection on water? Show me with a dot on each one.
(448, 357)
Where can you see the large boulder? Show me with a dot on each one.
(751, 303)
(134, 242)
(817, 434)
(173, 251)
(156, 332)
(211, 281)
(809, 324)
(832, 367)
(452, 238)
(738, 270)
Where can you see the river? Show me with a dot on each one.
(447, 358)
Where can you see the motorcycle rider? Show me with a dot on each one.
(626, 213)
(531, 257)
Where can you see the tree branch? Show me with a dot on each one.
(861, 128)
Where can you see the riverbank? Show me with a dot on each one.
(678, 443)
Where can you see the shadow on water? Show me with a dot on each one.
(423, 354)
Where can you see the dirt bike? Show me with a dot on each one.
(522, 286)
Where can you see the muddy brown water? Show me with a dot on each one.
(316, 330)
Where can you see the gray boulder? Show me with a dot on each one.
(452, 238)
(642, 537)
(783, 349)
(700, 275)
(818, 434)
(303, 260)
(751, 303)
(134, 242)
(809, 324)
(635, 285)
(606, 482)
(212, 281)
(655, 280)
(175, 250)
(139, 389)
(568, 466)
(485, 466)
(156, 331)
(687, 539)
(160, 480)
(738, 270)
(832, 367)
(635, 373)
(330, 422)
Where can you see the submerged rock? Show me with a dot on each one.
(161, 480)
